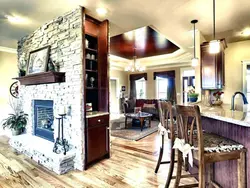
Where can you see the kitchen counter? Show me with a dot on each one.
(224, 113)
(96, 114)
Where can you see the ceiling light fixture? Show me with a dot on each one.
(101, 11)
(214, 45)
(195, 60)
(16, 19)
(246, 32)
(134, 66)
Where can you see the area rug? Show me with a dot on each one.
(134, 133)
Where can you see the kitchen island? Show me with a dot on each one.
(234, 125)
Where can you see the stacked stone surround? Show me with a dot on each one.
(64, 35)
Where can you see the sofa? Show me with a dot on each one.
(146, 105)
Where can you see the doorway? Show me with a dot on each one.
(114, 97)
(187, 80)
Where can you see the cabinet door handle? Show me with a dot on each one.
(99, 120)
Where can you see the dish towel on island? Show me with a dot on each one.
(162, 130)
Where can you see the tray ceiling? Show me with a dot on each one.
(146, 41)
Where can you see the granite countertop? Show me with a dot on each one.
(224, 113)
(96, 114)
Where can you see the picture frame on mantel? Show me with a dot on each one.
(38, 60)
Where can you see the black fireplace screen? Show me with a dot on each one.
(43, 119)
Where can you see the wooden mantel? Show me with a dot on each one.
(42, 78)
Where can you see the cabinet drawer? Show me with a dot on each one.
(99, 120)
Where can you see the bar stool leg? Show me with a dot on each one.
(242, 170)
(160, 155)
(179, 168)
(202, 178)
(171, 168)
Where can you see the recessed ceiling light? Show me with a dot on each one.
(246, 32)
(101, 11)
(16, 19)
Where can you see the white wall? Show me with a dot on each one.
(8, 70)
(234, 54)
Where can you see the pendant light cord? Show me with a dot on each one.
(214, 16)
(194, 42)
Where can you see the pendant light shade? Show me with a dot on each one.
(214, 45)
(195, 60)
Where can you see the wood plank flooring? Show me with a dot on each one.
(131, 165)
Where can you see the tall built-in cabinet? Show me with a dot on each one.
(213, 67)
(96, 88)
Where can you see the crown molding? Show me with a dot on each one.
(172, 65)
(9, 50)
(179, 59)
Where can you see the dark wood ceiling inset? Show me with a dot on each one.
(148, 43)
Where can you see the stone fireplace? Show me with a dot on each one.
(43, 123)
(42, 102)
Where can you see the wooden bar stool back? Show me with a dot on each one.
(208, 148)
(167, 129)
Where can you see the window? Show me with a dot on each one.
(140, 88)
(161, 88)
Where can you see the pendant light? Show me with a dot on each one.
(195, 60)
(214, 45)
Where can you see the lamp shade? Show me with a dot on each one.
(195, 62)
(214, 46)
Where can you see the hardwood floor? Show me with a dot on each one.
(131, 165)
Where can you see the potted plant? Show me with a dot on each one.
(17, 120)
(192, 96)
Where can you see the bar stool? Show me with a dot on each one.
(207, 148)
(166, 129)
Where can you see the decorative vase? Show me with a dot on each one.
(86, 43)
(92, 79)
(193, 99)
(16, 132)
(51, 66)
(22, 73)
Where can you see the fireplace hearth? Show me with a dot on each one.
(43, 119)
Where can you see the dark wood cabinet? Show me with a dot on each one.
(212, 67)
(97, 138)
(96, 84)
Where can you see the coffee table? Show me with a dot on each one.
(140, 116)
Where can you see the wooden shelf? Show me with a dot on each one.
(91, 49)
(42, 78)
(91, 59)
(89, 70)
(92, 88)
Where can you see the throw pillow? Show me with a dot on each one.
(145, 105)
